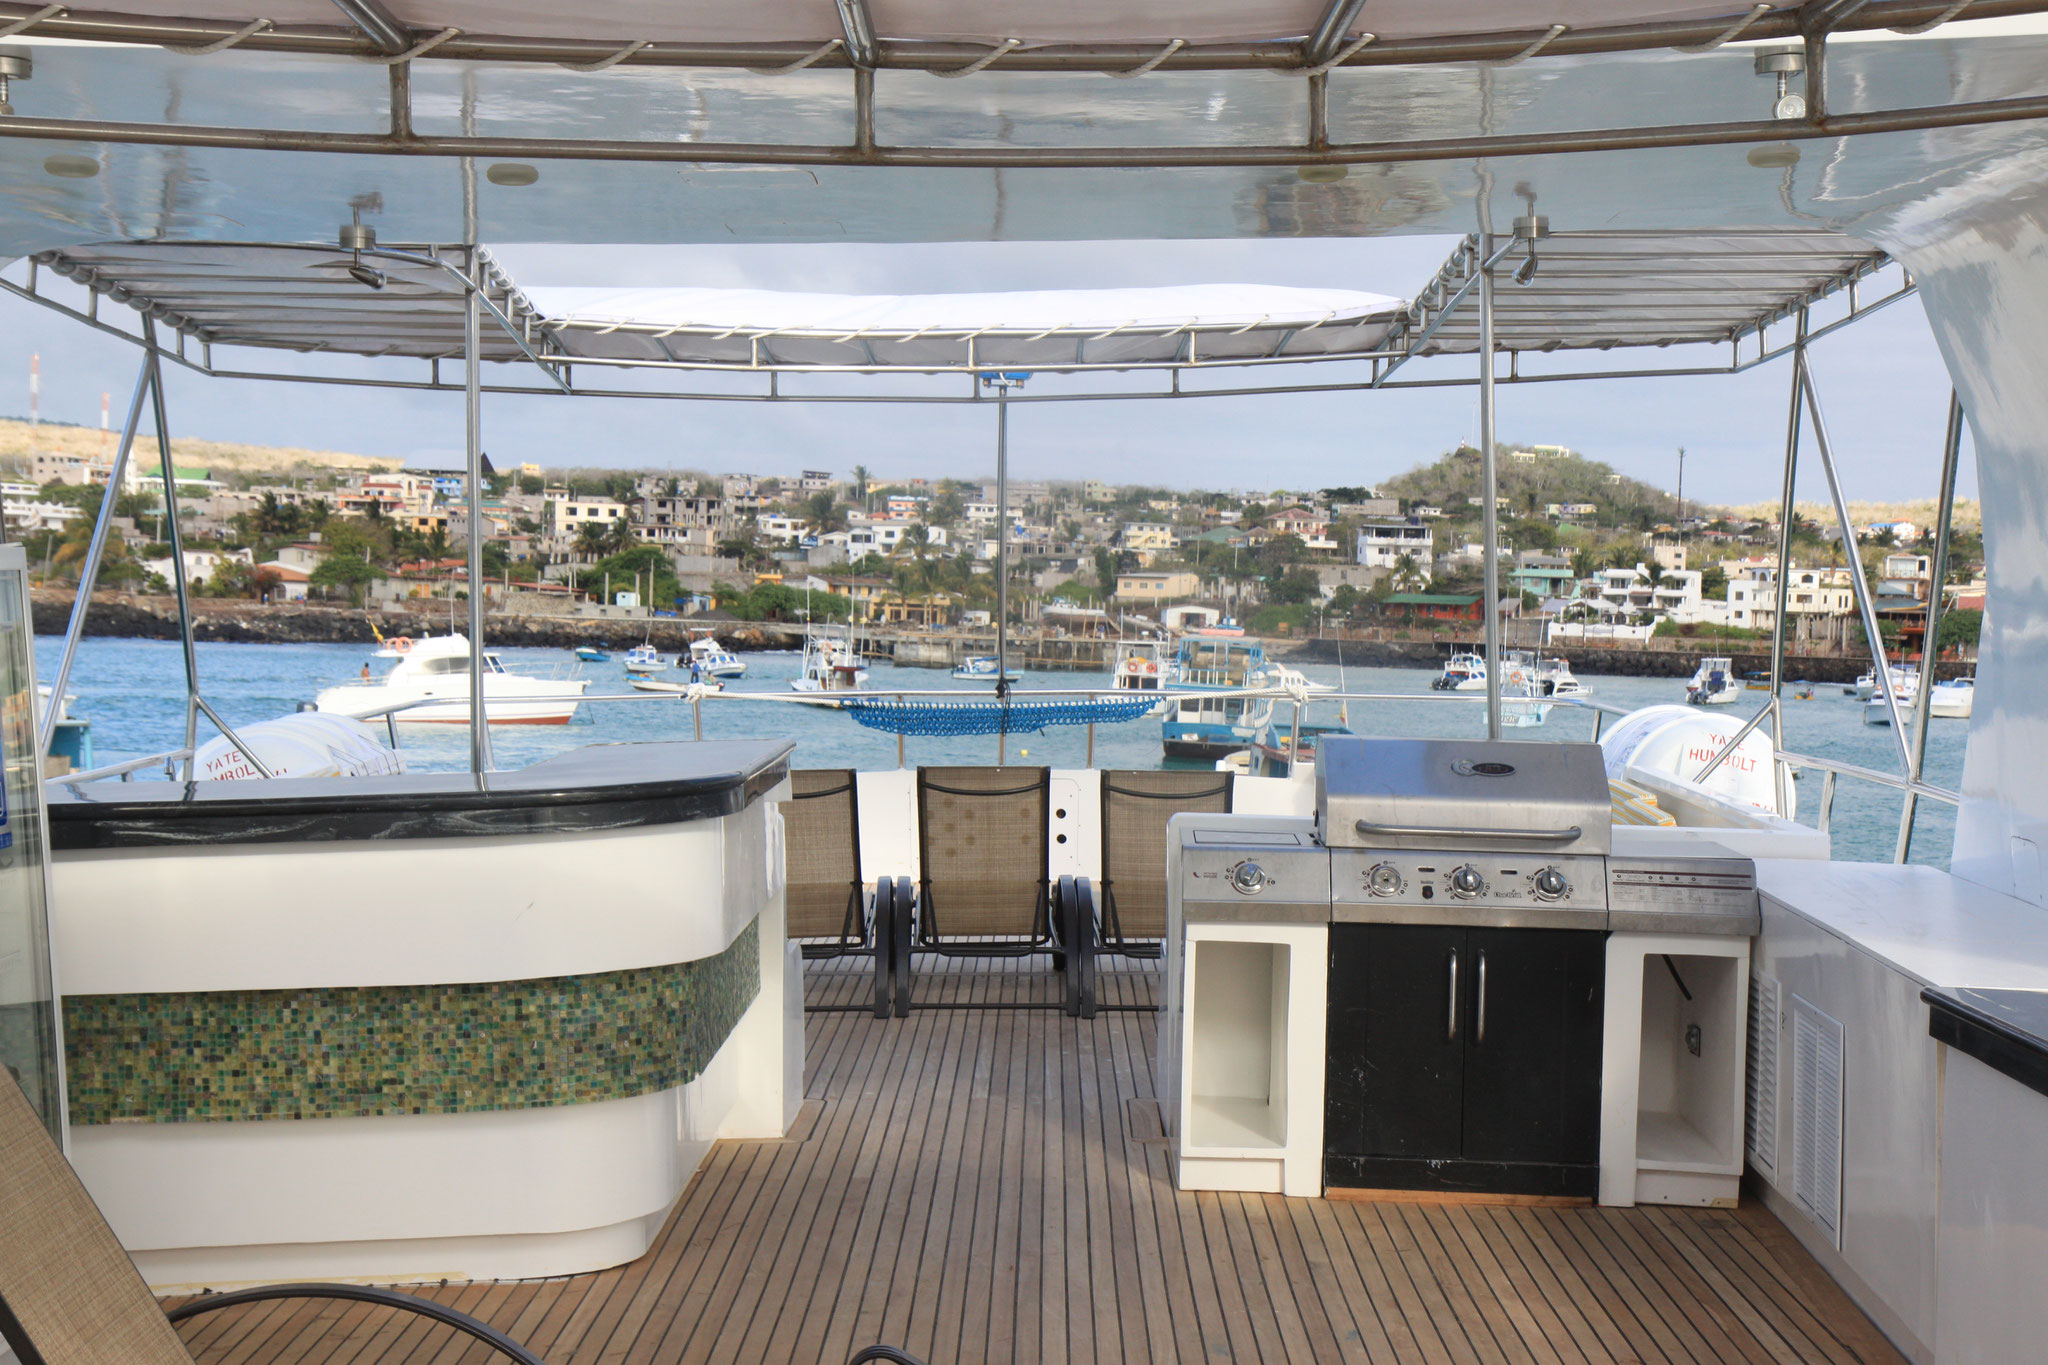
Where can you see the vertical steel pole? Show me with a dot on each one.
(1857, 583)
(1783, 585)
(89, 572)
(177, 540)
(472, 407)
(1930, 644)
(1002, 542)
(1489, 486)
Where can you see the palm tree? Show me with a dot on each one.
(1407, 575)
(619, 537)
(590, 541)
(860, 485)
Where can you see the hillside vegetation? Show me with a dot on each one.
(18, 440)
(1530, 485)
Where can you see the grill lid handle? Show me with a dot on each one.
(1542, 836)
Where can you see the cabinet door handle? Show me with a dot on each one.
(1479, 1024)
(1451, 1023)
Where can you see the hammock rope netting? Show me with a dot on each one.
(989, 717)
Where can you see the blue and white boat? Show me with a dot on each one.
(979, 667)
(591, 654)
(644, 660)
(1211, 727)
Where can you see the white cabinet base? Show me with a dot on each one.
(1672, 1071)
(1252, 1007)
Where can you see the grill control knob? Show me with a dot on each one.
(1384, 880)
(1248, 878)
(1551, 885)
(1466, 882)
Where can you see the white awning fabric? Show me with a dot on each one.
(1601, 290)
(991, 22)
(1041, 329)
(1591, 290)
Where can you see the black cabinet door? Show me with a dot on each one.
(1396, 1040)
(1532, 1048)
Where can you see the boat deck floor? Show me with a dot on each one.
(980, 1185)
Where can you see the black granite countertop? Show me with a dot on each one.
(601, 787)
(2006, 1030)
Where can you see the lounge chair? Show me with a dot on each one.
(827, 904)
(69, 1295)
(1135, 808)
(983, 887)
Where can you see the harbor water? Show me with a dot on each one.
(133, 692)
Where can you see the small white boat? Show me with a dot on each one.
(1905, 689)
(980, 666)
(1462, 673)
(709, 659)
(1141, 666)
(829, 665)
(436, 668)
(642, 660)
(1713, 683)
(677, 689)
(1557, 679)
(1953, 699)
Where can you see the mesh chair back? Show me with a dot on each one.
(68, 1291)
(1135, 808)
(983, 844)
(821, 831)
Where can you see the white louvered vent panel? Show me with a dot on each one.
(1760, 1132)
(1817, 1116)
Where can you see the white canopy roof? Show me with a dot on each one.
(1592, 290)
(1042, 328)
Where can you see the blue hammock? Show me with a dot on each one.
(989, 717)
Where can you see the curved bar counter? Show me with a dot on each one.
(423, 1026)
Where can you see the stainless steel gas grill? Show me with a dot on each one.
(1457, 1041)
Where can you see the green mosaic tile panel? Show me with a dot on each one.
(374, 1050)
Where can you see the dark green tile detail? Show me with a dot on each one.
(361, 1051)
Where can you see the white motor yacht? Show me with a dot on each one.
(710, 659)
(1713, 684)
(1462, 673)
(1954, 699)
(429, 684)
(644, 661)
(829, 665)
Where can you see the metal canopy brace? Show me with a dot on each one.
(148, 384)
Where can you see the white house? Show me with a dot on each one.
(777, 527)
(199, 563)
(1381, 545)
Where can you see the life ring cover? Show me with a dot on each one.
(401, 644)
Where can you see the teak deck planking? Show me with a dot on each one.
(969, 1184)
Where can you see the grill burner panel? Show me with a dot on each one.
(1397, 887)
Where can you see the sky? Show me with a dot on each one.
(1881, 383)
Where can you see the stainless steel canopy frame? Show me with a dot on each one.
(1330, 49)
(1458, 313)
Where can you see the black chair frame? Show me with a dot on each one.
(362, 1293)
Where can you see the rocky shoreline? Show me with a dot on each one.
(241, 621)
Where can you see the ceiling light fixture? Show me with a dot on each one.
(15, 65)
(1784, 63)
(1774, 156)
(356, 239)
(511, 173)
(1322, 174)
(1530, 228)
(71, 167)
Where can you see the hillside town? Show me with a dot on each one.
(1587, 554)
